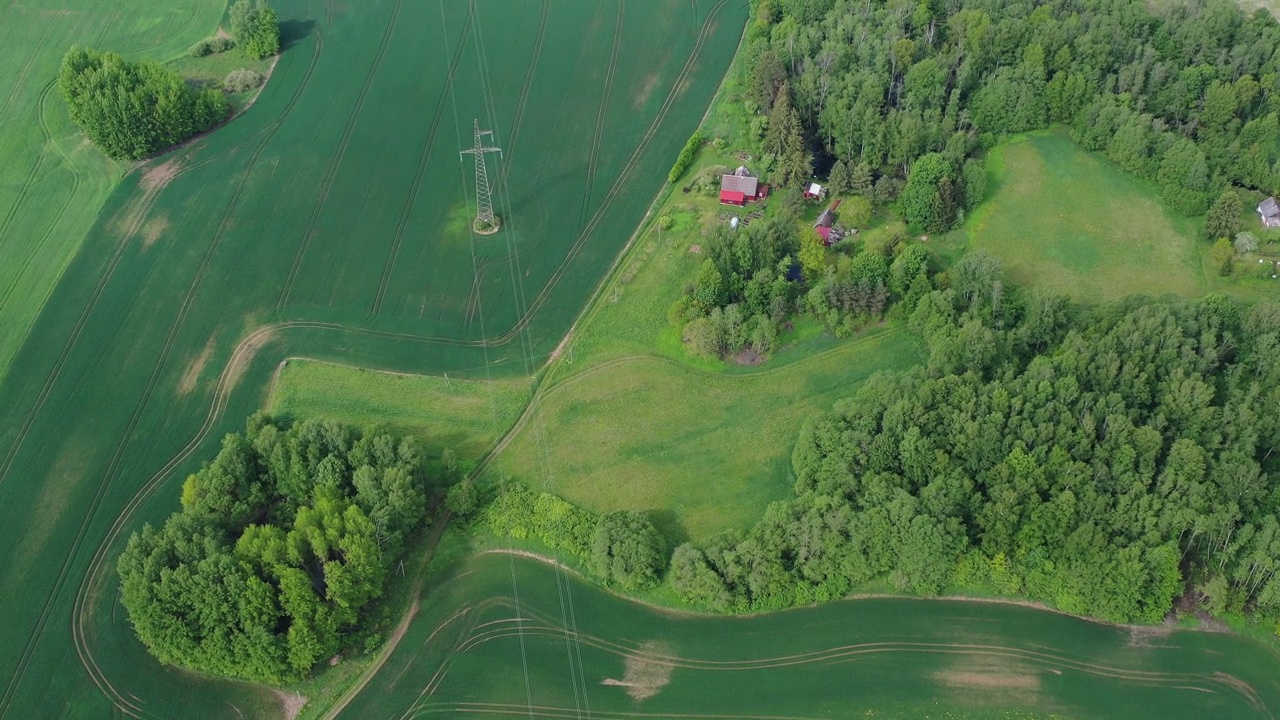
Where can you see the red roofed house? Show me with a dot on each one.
(741, 187)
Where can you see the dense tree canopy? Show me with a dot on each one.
(1095, 458)
(256, 28)
(1184, 93)
(281, 542)
(132, 110)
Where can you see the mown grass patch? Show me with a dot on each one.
(1063, 219)
(466, 416)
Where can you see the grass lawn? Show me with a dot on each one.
(1067, 220)
(466, 416)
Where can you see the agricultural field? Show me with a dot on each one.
(510, 636)
(329, 221)
(1066, 220)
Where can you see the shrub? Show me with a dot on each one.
(240, 80)
(686, 155)
(256, 27)
(211, 46)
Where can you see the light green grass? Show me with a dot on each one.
(466, 416)
(713, 450)
(1066, 220)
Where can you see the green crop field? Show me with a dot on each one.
(1063, 219)
(329, 221)
(511, 637)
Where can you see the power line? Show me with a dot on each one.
(486, 222)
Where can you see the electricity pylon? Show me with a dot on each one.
(486, 222)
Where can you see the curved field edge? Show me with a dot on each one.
(585, 647)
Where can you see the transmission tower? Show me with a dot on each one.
(486, 222)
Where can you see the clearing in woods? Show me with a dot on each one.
(1067, 220)
(329, 221)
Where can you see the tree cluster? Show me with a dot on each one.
(620, 548)
(132, 110)
(1097, 459)
(1187, 94)
(281, 542)
(256, 28)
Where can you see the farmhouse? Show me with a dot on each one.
(741, 187)
(1269, 212)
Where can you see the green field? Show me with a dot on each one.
(512, 637)
(1065, 220)
(465, 416)
(329, 221)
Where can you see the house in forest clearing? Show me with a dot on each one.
(814, 192)
(825, 225)
(1269, 212)
(741, 187)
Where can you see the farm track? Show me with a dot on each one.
(332, 171)
(79, 611)
(19, 82)
(418, 177)
(513, 135)
(597, 138)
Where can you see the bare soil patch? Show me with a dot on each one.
(245, 352)
(292, 703)
(748, 358)
(155, 178)
(196, 368)
(646, 90)
(645, 674)
(154, 228)
(982, 680)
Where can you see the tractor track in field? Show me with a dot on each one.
(83, 651)
(22, 74)
(597, 139)
(522, 102)
(332, 171)
(418, 177)
(629, 167)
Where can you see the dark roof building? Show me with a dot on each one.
(1269, 212)
(742, 181)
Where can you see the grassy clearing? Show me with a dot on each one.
(466, 416)
(1063, 219)
(707, 451)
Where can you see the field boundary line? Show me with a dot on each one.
(332, 171)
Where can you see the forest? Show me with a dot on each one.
(1184, 94)
(281, 542)
(1102, 459)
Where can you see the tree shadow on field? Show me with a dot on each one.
(669, 526)
(292, 31)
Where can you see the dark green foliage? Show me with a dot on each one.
(256, 28)
(1223, 218)
(281, 542)
(463, 499)
(928, 201)
(132, 110)
(621, 548)
(627, 550)
(1088, 461)
(211, 46)
(685, 157)
(1181, 94)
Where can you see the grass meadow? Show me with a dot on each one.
(465, 416)
(329, 221)
(1066, 220)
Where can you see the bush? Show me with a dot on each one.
(256, 27)
(240, 80)
(211, 46)
(686, 155)
(132, 110)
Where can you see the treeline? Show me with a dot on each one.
(1097, 459)
(1185, 93)
(132, 110)
(754, 278)
(620, 548)
(281, 543)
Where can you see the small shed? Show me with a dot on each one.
(732, 197)
(1269, 212)
(814, 191)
